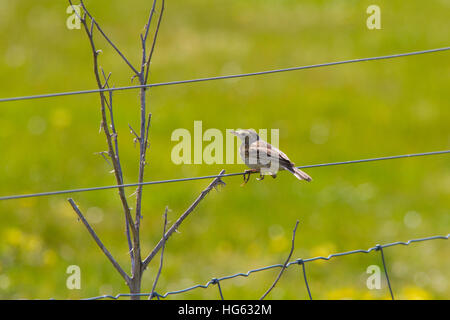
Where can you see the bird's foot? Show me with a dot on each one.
(261, 177)
(247, 175)
(273, 175)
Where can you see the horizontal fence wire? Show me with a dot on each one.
(151, 85)
(216, 281)
(59, 192)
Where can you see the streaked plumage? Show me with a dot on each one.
(262, 157)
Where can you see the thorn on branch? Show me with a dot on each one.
(103, 154)
(219, 182)
(132, 78)
(134, 132)
(133, 194)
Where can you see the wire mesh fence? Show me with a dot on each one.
(301, 262)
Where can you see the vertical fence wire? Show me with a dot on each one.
(302, 262)
(380, 248)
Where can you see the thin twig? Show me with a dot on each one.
(144, 41)
(120, 180)
(134, 132)
(147, 26)
(162, 255)
(149, 60)
(102, 153)
(285, 263)
(106, 37)
(143, 127)
(134, 282)
(176, 225)
(99, 242)
(109, 139)
(147, 133)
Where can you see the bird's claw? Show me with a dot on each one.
(247, 176)
(261, 177)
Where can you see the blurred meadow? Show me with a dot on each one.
(329, 114)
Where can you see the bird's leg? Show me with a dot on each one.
(247, 175)
(261, 176)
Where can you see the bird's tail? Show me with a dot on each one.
(299, 174)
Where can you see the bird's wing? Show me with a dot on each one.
(266, 153)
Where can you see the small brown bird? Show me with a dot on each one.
(261, 157)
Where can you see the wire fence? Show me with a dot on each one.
(151, 85)
(301, 262)
(59, 192)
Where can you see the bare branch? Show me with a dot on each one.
(147, 26)
(109, 138)
(149, 60)
(111, 135)
(162, 255)
(117, 158)
(105, 36)
(99, 242)
(177, 224)
(106, 77)
(285, 263)
(148, 127)
(144, 43)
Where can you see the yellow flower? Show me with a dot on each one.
(60, 118)
(13, 236)
(415, 293)
(341, 294)
(50, 257)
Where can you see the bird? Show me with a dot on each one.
(264, 158)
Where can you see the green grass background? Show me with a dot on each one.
(329, 114)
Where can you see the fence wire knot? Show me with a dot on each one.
(155, 295)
